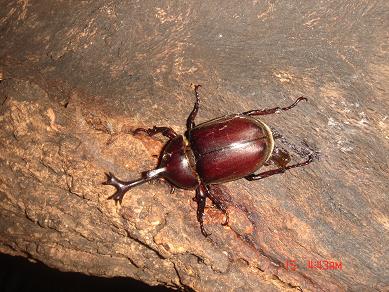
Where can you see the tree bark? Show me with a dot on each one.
(78, 76)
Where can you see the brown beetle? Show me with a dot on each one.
(217, 151)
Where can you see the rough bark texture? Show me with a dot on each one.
(78, 76)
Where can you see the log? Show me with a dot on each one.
(77, 77)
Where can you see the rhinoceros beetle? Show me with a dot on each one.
(217, 151)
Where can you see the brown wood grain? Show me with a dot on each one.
(77, 76)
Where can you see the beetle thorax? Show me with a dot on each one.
(179, 164)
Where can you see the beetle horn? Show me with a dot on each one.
(123, 186)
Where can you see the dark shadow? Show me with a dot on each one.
(18, 274)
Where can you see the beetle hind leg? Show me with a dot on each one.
(280, 170)
(281, 157)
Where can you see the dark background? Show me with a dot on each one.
(18, 274)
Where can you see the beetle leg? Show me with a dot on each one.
(275, 110)
(166, 131)
(201, 197)
(190, 124)
(268, 173)
(220, 199)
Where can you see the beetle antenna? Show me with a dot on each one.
(123, 186)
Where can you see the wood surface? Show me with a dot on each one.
(76, 77)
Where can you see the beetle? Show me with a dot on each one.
(217, 151)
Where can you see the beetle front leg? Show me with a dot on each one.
(201, 197)
(274, 110)
(165, 131)
(190, 124)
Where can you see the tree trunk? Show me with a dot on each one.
(77, 77)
